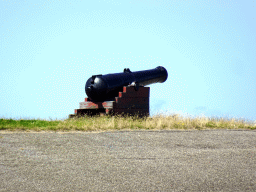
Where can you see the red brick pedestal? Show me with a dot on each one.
(129, 102)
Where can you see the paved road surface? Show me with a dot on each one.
(217, 160)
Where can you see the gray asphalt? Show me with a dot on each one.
(216, 160)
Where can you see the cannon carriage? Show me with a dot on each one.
(120, 93)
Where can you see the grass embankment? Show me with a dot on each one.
(105, 123)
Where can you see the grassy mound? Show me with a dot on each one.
(105, 123)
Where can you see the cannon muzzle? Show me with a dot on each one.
(106, 87)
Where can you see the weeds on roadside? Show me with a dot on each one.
(105, 123)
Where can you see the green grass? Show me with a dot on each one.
(105, 123)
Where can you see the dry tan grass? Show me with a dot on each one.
(107, 123)
(157, 122)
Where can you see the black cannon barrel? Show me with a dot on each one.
(106, 87)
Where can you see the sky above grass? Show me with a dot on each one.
(49, 49)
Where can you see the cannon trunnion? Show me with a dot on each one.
(120, 93)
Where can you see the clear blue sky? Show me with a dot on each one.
(50, 48)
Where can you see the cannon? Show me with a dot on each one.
(106, 87)
(120, 93)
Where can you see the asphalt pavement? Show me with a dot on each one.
(167, 160)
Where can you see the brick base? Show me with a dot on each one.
(128, 102)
